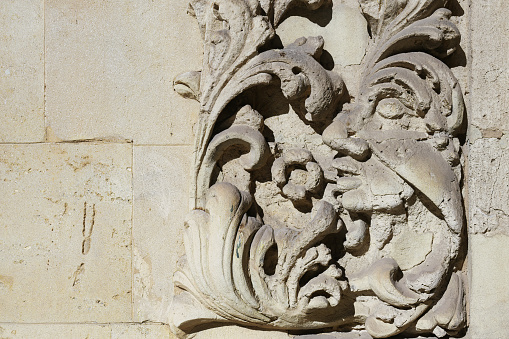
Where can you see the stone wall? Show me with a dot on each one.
(96, 152)
(487, 180)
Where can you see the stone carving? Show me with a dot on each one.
(334, 214)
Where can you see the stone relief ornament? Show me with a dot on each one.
(313, 209)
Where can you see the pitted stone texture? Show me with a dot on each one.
(95, 331)
(51, 331)
(22, 71)
(239, 332)
(161, 186)
(337, 335)
(488, 186)
(110, 67)
(272, 194)
(65, 232)
(489, 291)
(490, 65)
(141, 331)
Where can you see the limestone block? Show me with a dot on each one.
(22, 71)
(65, 232)
(161, 179)
(110, 67)
(337, 335)
(488, 186)
(343, 28)
(51, 331)
(84, 331)
(490, 65)
(141, 331)
(345, 34)
(239, 332)
(489, 292)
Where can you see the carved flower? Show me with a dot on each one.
(297, 174)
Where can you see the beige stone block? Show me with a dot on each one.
(490, 65)
(161, 185)
(84, 331)
(110, 67)
(489, 291)
(65, 232)
(339, 335)
(345, 34)
(488, 186)
(342, 26)
(21, 71)
(141, 331)
(239, 332)
(52, 331)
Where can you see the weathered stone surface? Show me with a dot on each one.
(337, 335)
(110, 67)
(161, 186)
(51, 331)
(22, 71)
(340, 26)
(65, 232)
(140, 331)
(490, 65)
(109, 71)
(489, 294)
(345, 34)
(239, 332)
(306, 207)
(75, 331)
(488, 186)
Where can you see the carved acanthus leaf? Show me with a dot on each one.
(221, 239)
(302, 79)
(300, 74)
(387, 17)
(276, 9)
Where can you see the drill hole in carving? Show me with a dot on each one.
(270, 260)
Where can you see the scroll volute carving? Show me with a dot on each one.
(329, 214)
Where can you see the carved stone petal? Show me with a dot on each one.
(449, 312)
(188, 85)
(235, 135)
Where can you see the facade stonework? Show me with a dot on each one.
(254, 168)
